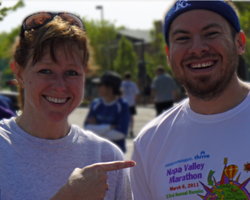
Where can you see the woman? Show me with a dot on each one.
(39, 150)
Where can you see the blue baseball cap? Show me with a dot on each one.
(220, 7)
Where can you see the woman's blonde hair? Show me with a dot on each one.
(57, 32)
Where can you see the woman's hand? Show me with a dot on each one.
(90, 183)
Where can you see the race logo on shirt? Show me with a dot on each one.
(228, 187)
(247, 167)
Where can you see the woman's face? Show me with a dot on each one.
(53, 90)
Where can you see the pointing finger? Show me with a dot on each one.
(111, 166)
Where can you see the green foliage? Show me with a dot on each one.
(3, 11)
(102, 36)
(126, 59)
(244, 15)
(7, 41)
(159, 56)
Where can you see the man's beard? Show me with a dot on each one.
(202, 87)
(209, 90)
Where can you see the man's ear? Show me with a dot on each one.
(241, 42)
(167, 52)
(17, 70)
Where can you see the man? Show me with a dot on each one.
(198, 149)
(164, 90)
(130, 93)
(109, 115)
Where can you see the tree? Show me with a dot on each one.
(244, 16)
(159, 54)
(126, 59)
(3, 11)
(7, 40)
(101, 36)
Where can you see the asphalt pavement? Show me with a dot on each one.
(144, 115)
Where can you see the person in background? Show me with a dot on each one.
(6, 102)
(6, 113)
(42, 155)
(130, 93)
(109, 115)
(197, 149)
(7, 109)
(147, 90)
(164, 90)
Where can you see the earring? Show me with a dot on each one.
(21, 83)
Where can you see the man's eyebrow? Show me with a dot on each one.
(212, 26)
(179, 31)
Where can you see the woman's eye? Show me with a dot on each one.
(71, 73)
(44, 71)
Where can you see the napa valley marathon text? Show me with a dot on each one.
(192, 172)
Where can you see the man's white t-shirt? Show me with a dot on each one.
(182, 155)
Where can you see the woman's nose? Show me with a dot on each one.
(59, 83)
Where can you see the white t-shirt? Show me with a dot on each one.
(182, 155)
(32, 168)
(129, 89)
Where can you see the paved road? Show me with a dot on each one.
(144, 115)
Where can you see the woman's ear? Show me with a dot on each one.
(17, 70)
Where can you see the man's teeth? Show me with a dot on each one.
(55, 100)
(202, 65)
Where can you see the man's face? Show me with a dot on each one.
(202, 53)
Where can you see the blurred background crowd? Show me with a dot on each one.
(113, 48)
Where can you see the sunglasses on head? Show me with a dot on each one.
(39, 19)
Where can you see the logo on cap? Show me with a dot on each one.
(181, 4)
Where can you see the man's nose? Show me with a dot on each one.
(198, 46)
